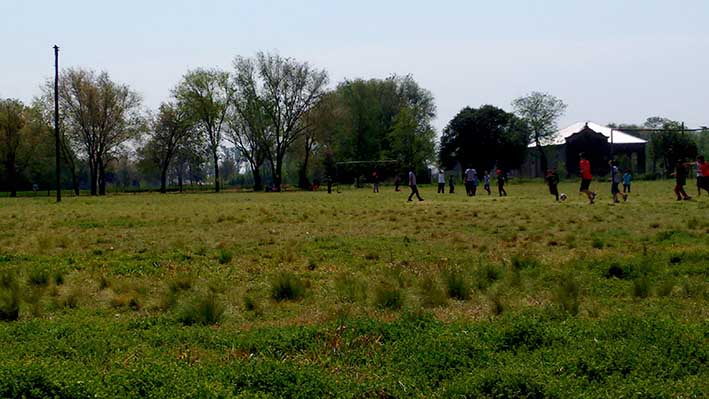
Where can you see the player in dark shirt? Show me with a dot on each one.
(552, 179)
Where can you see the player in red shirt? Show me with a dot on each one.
(586, 178)
(703, 175)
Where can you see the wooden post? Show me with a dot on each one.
(56, 124)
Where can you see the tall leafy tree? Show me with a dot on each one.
(288, 89)
(12, 124)
(100, 115)
(670, 144)
(207, 94)
(170, 130)
(541, 111)
(248, 122)
(481, 137)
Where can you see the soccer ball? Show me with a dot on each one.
(562, 197)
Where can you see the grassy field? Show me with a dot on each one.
(356, 295)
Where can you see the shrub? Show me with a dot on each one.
(204, 309)
(432, 295)
(38, 277)
(287, 287)
(457, 285)
(566, 295)
(388, 297)
(71, 299)
(641, 287)
(9, 297)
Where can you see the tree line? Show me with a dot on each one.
(267, 121)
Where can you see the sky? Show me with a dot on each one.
(609, 60)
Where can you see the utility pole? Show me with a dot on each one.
(56, 124)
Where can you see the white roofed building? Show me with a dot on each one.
(599, 143)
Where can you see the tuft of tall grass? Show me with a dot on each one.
(224, 257)
(38, 277)
(350, 289)
(9, 296)
(387, 296)
(641, 287)
(567, 294)
(287, 287)
(204, 309)
(432, 294)
(457, 285)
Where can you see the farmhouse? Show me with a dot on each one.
(599, 142)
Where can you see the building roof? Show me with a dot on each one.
(619, 137)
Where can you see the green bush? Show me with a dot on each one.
(203, 309)
(58, 277)
(287, 287)
(224, 256)
(9, 296)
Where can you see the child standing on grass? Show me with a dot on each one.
(552, 179)
(627, 181)
(702, 174)
(486, 182)
(615, 182)
(680, 175)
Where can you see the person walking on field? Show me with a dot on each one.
(627, 181)
(441, 182)
(375, 180)
(501, 182)
(586, 177)
(486, 182)
(451, 185)
(397, 183)
(471, 176)
(412, 185)
(615, 182)
(552, 179)
(680, 175)
(702, 174)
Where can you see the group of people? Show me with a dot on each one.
(681, 172)
(551, 177)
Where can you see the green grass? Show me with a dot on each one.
(348, 295)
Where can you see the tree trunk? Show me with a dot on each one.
(101, 178)
(277, 176)
(179, 180)
(303, 181)
(74, 179)
(258, 182)
(216, 173)
(163, 180)
(542, 158)
(94, 178)
(12, 171)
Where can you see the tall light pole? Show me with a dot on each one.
(57, 152)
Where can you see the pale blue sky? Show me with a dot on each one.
(609, 60)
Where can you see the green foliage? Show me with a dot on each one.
(287, 287)
(224, 256)
(641, 287)
(203, 309)
(432, 294)
(480, 137)
(350, 289)
(38, 277)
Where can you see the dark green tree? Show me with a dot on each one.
(480, 137)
